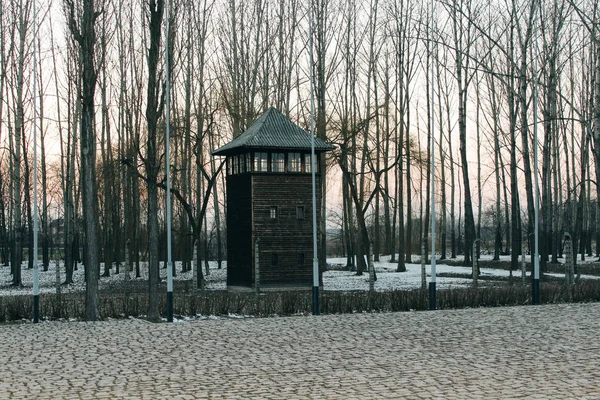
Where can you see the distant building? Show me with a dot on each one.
(269, 199)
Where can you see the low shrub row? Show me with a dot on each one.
(220, 303)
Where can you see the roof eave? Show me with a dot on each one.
(242, 149)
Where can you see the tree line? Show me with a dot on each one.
(396, 82)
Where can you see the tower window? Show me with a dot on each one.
(307, 163)
(273, 212)
(300, 212)
(277, 162)
(248, 162)
(241, 163)
(260, 161)
(294, 162)
(274, 259)
(300, 259)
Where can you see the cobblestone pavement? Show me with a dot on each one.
(519, 352)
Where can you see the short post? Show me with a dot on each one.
(569, 267)
(475, 264)
(256, 267)
(206, 264)
(57, 278)
(523, 266)
(127, 268)
(371, 269)
(195, 266)
(423, 268)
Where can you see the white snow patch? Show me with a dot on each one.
(215, 280)
(340, 280)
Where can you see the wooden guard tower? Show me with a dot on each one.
(269, 200)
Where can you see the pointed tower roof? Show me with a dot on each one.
(272, 131)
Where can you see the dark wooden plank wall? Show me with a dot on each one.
(239, 230)
(286, 235)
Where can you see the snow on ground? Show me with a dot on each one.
(387, 277)
(506, 258)
(214, 281)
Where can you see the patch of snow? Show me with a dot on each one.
(238, 316)
(216, 280)
(336, 280)
(582, 276)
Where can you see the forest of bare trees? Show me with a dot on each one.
(101, 93)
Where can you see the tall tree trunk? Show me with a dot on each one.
(28, 202)
(85, 36)
(15, 147)
(491, 81)
(322, 9)
(479, 182)
(596, 118)
(550, 32)
(515, 217)
(154, 109)
(186, 171)
(5, 240)
(389, 247)
(45, 234)
(430, 112)
(453, 237)
(462, 42)
(68, 160)
(105, 150)
(523, 106)
(409, 216)
(377, 220)
(400, 199)
(216, 208)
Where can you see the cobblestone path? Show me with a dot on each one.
(545, 352)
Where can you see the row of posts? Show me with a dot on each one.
(569, 267)
(568, 253)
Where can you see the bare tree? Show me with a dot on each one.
(111, 185)
(67, 150)
(524, 41)
(347, 116)
(154, 109)
(325, 62)
(551, 32)
(494, 126)
(442, 153)
(286, 28)
(44, 170)
(591, 107)
(244, 48)
(19, 35)
(464, 38)
(5, 249)
(81, 25)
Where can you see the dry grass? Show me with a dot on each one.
(223, 303)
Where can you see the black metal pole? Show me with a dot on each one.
(313, 162)
(168, 170)
(170, 306)
(36, 308)
(535, 291)
(432, 294)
